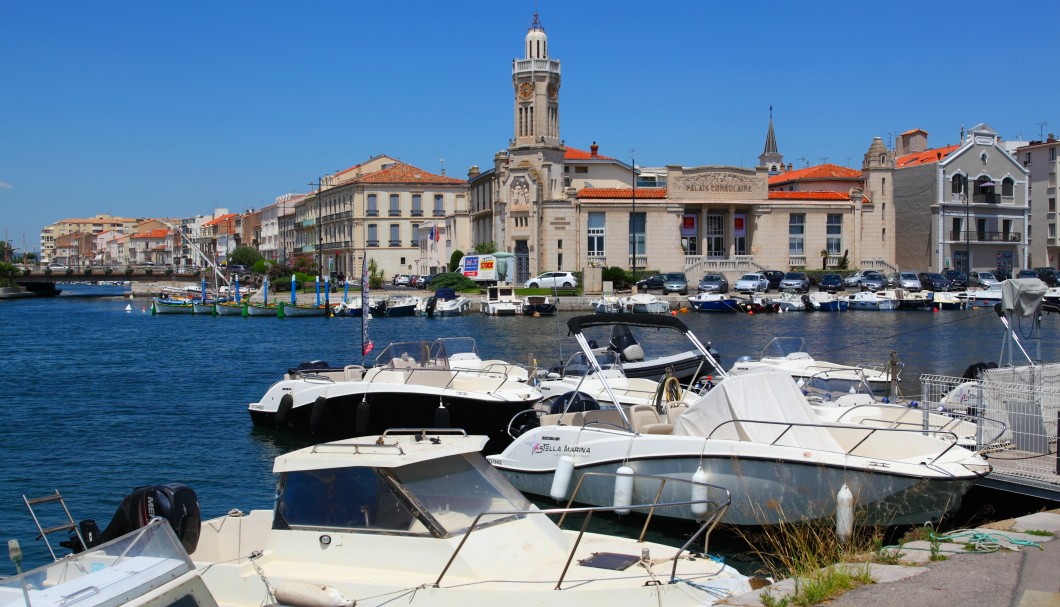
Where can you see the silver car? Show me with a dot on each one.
(904, 280)
(751, 283)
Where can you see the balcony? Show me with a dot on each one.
(978, 236)
(439, 212)
(395, 243)
(395, 213)
(417, 212)
(373, 243)
(985, 198)
(372, 212)
(535, 65)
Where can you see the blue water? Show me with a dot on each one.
(98, 400)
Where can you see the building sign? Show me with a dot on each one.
(739, 225)
(689, 226)
(716, 183)
(471, 266)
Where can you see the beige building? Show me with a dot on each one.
(93, 225)
(1040, 160)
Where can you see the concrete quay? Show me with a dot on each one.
(1012, 575)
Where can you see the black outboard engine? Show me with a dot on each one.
(432, 302)
(174, 502)
(311, 365)
(571, 402)
(623, 342)
(973, 370)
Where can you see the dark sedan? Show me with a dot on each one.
(958, 279)
(933, 281)
(713, 283)
(833, 283)
(774, 277)
(1049, 276)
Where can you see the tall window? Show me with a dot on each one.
(417, 205)
(596, 234)
(958, 184)
(637, 223)
(395, 205)
(373, 206)
(714, 231)
(1007, 187)
(439, 206)
(415, 234)
(834, 234)
(373, 235)
(796, 232)
(395, 235)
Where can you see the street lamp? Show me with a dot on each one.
(633, 219)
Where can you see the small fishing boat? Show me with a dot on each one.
(828, 302)
(172, 306)
(230, 308)
(714, 302)
(501, 301)
(643, 303)
(450, 303)
(608, 304)
(871, 300)
(396, 305)
(539, 305)
(289, 310)
(262, 309)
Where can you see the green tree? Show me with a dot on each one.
(485, 248)
(7, 274)
(454, 260)
(245, 256)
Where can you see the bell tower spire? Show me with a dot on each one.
(536, 81)
(770, 157)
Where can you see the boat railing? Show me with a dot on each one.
(920, 420)
(445, 378)
(715, 508)
(869, 432)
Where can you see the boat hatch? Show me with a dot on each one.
(610, 560)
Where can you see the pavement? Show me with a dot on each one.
(1014, 575)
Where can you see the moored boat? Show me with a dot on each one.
(288, 310)
(714, 302)
(172, 306)
(643, 303)
(501, 301)
(230, 308)
(539, 305)
(871, 300)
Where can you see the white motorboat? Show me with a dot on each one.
(352, 307)
(396, 305)
(715, 302)
(643, 303)
(687, 361)
(608, 304)
(756, 434)
(828, 302)
(501, 301)
(422, 519)
(539, 305)
(789, 355)
(871, 300)
(411, 384)
(982, 297)
(444, 302)
(790, 301)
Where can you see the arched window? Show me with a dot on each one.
(959, 184)
(1008, 185)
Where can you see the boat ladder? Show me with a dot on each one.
(44, 532)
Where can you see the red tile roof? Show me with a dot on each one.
(406, 173)
(911, 131)
(152, 234)
(647, 193)
(821, 196)
(925, 157)
(576, 154)
(818, 172)
(221, 219)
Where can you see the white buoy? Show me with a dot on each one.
(623, 489)
(128, 307)
(561, 478)
(699, 492)
(844, 514)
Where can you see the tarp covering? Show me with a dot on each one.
(1022, 296)
(659, 321)
(759, 395)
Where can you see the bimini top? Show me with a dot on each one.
(387, 451)
(659, 321)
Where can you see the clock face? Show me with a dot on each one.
(526, 90)
(553, 92)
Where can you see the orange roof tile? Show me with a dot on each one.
(221, 219)
(406, 173)
(819, 172)
(809, 196)
(576, 154)
(925, 157)
(648, 193)
(159, 233)
(911, 131)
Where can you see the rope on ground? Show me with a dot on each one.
(977, 542)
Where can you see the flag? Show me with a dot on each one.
(366, 310)
(436, 234)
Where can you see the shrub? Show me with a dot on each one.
(169, 271)
(26, 272)
(149, 271)
(454, 260)
(47, 271)
(128, 271)
(108, 271)
(88, 271)
(455, 281)
(69, 271)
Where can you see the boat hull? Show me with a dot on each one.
(260, 310)
(548, 309)
(161, 307)
(290, 310)
(230, 309)
(728, 304)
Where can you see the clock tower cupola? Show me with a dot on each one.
(536, 81)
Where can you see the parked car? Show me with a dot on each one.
(957, 278)
(866, 279)
(832, 283)
(675, 282)
(774, 277)
(1048, 275)
(58, 267)
(983, 280)
(550, 280)
(933, 281)
(401, 280)
(798, 281)
(1002, 274)
(1027, 273)
(424, 281)
(904, 280)
(655, 281)
(713, 283)
(752, 283)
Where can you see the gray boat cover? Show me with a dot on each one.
(736, 406)
(1022, 296)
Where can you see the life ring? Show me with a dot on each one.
(283, 412)
(316, 416)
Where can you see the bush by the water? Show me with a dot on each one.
(455, 281)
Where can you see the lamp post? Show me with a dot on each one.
(633, 219)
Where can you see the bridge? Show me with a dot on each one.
(30, 277)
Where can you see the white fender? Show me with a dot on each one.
(699, 492)
(561, 478)
(304, 594)
(844, 513)
(623, 489)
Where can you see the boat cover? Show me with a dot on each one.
(1022, 296)
(760, 395)
(578, 323)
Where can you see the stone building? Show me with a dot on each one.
(961, 206)
(1040, 159)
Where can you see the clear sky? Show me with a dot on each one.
(139, 109)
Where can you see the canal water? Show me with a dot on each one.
(99, 400)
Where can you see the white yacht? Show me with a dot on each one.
(789, 354)
(501, 301)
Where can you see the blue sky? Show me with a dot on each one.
(176, 108)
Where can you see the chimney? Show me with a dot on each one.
(473, 172)
(593, 149)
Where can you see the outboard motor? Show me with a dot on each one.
(311, 365)
(432, 302)
(174, 502)
(623, 342)
(571, 402)
(807, 303)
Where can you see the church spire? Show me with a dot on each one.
(770, 157)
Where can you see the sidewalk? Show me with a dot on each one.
(1013, 576)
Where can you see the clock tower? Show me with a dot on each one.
(536, 80)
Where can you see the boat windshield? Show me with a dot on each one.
(579, 365)
(413, 354)
(830, 384)
(781, 347)
(439, 497)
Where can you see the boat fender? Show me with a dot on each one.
(316, 416)
(364, 410)
(844, 514)
(561, 478)
(441, 416)
(283, 412)
(304, 594)
(699, 493)
(623, 489)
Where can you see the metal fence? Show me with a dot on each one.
(1016, 409)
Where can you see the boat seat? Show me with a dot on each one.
(646, 420)
(633, 353)
(404, 362)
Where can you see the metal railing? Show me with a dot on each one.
(704, 530)
(984, 236)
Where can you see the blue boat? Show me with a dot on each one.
(715, 302)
